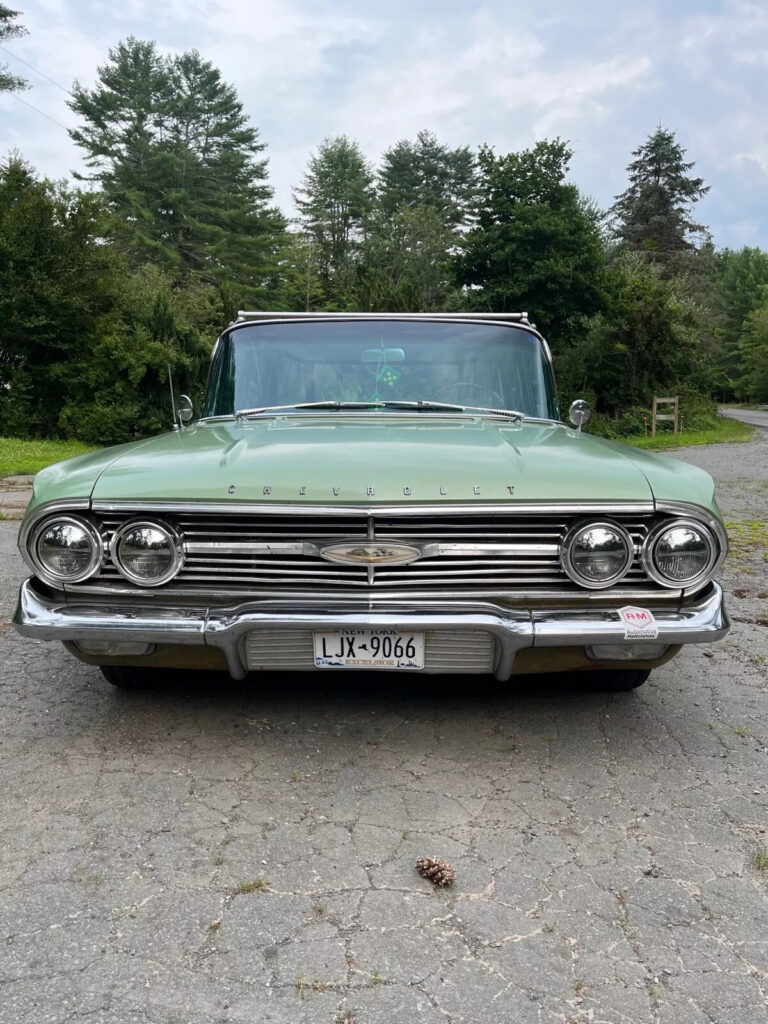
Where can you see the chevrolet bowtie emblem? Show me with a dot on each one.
(371, 553)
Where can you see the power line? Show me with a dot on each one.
(36, 70)
(38, 111)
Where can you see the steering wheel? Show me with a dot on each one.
(470, 384)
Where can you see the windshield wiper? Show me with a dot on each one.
(430, 406)
(420, 406)
(331, 404)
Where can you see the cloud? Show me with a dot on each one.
(598, 74)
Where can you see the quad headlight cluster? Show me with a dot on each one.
(70, 549)
(679, 553)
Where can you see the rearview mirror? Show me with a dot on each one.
(383, 355)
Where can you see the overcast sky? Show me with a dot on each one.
(599, 73)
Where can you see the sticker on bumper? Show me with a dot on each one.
(639, 623)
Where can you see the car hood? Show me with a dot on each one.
(332, 459)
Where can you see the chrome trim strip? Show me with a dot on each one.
(277, 315)
(438, 549)
(249, 508)
(50, 618)
(366, 598)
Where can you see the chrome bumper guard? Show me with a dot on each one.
(703, 620)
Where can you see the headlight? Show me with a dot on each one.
(66, 549)
(679, 554)
(597, 555)
(147, 553)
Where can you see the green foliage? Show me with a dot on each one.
(10, 30)
(644, 339)
(334, 199)
(426, 173)
(739, 285)
(653, 214)
(121, 390)
(404, 262)
(753, 356)
(57, 287)
(536, 245)
(84, 342)
(169, 144)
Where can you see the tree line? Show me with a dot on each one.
(138, 263)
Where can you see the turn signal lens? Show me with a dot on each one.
(597, 555)
(147, 553)
(67, 549)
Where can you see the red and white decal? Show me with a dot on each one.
(639, 623)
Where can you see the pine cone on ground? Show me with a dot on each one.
(438, 871)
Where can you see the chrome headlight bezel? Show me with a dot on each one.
(648, 554)
(566, 552)
(175, 542)
(55, 579)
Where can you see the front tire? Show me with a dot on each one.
(130, 677)
(619, 680)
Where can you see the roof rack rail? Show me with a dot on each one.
(243, 314)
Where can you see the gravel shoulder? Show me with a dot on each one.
(235, 853)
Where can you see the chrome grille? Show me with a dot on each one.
(473, 553)
(458, 651)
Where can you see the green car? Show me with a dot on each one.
(375, 491)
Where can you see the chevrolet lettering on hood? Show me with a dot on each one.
(372, 491)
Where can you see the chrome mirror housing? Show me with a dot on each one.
(186, 409)
(579, 413)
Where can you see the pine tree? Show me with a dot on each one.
(334, 199)
(9, 30)
(171, 147)
(653, 215)
(427, 173)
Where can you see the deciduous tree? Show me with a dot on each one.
(537, 243)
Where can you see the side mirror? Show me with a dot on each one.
(186, 410)
(579, 413)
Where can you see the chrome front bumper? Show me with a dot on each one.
(702, 620)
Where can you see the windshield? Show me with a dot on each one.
(374, 362)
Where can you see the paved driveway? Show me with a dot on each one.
(756, 417)
(245, 853)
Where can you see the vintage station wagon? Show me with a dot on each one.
(375, 491)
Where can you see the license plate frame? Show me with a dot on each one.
(363, 649)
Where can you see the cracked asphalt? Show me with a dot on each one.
(224, 852)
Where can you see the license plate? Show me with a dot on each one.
(369, 648)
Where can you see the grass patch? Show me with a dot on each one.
(19, 457)
(721, 431)
(759, 860)
(257, 885)
(747, 538)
